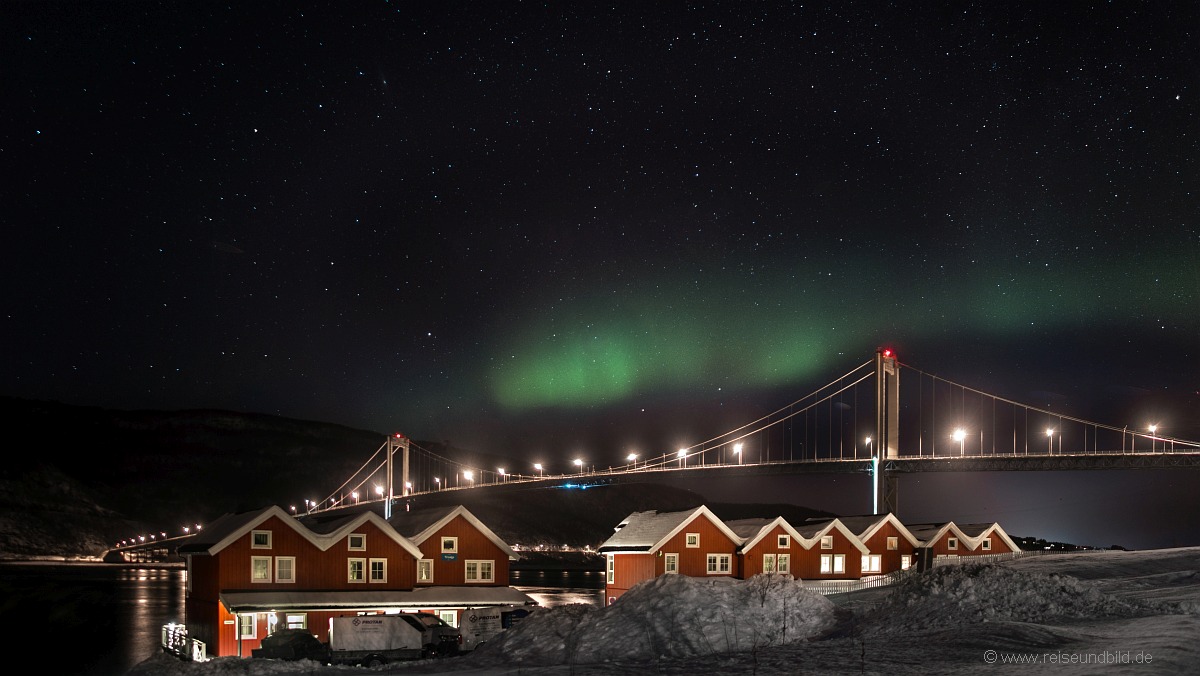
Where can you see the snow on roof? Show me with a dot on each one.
(647, 531)
(422, 524)
(424, 597)
(227, 529)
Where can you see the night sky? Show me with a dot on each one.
(541, 229)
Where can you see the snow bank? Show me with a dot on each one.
(671, 616)
(950, 596)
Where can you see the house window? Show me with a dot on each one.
(951, 543)
(248, 625)
(783, 541)
(784, 564)
(718, 564)
(425, 570)
(987, 544)
(905, 562)
(285, 568)
(692, 540)
(260, 539)
(357, 542)
(450, 617)
(833, 563)
(296, 620)
(356, 570)
(871, 563)
(671, 563)
(260, 569)
(827, 542)
(449, 545)
(378, 570)
(479, 571)
(893, 543)
(768, 563)
(612, 569)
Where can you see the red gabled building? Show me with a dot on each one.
(988, 538)
(829, 551)
(942, 539)
(648, 544)
(768, 546)
(891, 546)
(251, 574)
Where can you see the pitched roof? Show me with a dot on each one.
(979, 531)
(928, 533)
(227, 529)
(752, 531)
(812, 531)
(866, 526)
(422, 524)
(648, 531)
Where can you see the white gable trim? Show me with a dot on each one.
(762, 533)
(475, 522)
(321, 542)
(995, 529)
(698, 512)
(840, 527)
(889, 518)
(950, 527)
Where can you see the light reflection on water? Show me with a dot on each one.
(552, 588)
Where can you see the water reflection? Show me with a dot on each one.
(561, 587)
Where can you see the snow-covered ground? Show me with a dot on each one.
(1078, 613)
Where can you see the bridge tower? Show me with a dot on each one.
(886, 444)
(396, 442)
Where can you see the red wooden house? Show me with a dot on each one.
(250, 574)
(891, 546)
(649, 544)
(988, 538)
(768, 546)
(829, 551)
(942, 539)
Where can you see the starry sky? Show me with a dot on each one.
(531, 227)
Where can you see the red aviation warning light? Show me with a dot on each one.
(887, 352)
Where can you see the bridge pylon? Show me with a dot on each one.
(886, 446)
(394, 442)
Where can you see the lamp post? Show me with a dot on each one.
(632, 458)
(437, 482)
(538, 467)
(960, 435)
(1153, 429)
(355, 496)
(503, 477)
(870, 450)
(579, 464)
(737, 450)
(1050, 440)
(682, 454)
(469, 476)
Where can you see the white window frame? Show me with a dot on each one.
(769, 562)
(872, 563)
(290, 577)
(839, 564)
(479, 565)
(783, 541)
(826, 564)
(362, 570)
(295, 620)
(720, 564)
(691, 540)
(610, 568)
(362, 546)
(453, 542)
(450, 617)
(951, 543)
(893, 543)
(783, 564)
(670, 564)
(425, 563)
(826, 542)
(371, 571)
(253, 617)
(254, 534)
(987, 544)
(905, 562)
(265, 562)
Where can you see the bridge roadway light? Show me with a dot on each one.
(870, 451)
(469, 475)
(1153, 428)
(960, 435)
(538, 467)
(632, 458)
(1050, 440)
(579, 464)
(437, 482)
(682, 457)
(502, 475)
(737, 450)
(355, 496)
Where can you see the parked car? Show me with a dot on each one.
(292, 644)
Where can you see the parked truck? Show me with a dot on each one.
(479, 625)
(372, 640)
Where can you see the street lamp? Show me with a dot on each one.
(632, 458)
(960, 435)
(437, 482)
(1050, 440)
(1153, 428)
(737, 450)
(538, 467)
(355, 496)
(579, 464)
(502, 476)
(870, 451)
(682, 457)
(469, 475)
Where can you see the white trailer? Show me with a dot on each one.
(372, 640)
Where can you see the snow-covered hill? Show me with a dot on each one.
(1079, 613)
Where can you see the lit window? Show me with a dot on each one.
(612, 569)
(260, 569)
(449, 545)
(248, 625)
(425, 570)
(827, 542)
(871, 563)
(450, 617)
(357, 542)
(783, 541)
(784, 564)
(378, 568)
(839, 564)
(905, 562)
(479, 571)
(692, 540)
(260, 539)
(826, 564)
(768, 563)
(356, 570)
(951, 543)
(893, 543)
(987, 544)
(296, 620)
(285, 569)
(671, 563)
(719, 564)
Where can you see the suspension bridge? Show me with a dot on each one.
(933, 425)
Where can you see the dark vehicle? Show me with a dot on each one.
(441, 639)
(292, 644)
